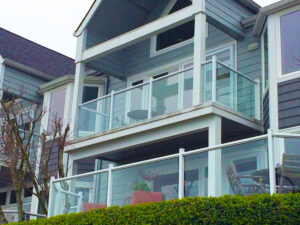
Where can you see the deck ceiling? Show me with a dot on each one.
(119, 16)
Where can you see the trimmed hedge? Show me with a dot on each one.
(258, 209)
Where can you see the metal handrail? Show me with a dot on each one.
(207, 149)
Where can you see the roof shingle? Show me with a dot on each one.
(28, 53)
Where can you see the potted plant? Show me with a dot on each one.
(143, 194)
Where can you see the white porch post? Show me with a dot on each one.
(199, 50)
(2, 69)
(214, 157)
(78, 84)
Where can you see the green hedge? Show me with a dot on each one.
(259, 209)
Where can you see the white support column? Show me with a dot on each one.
(214, 79)
(150, 98)
(272, 175)
(78, 84)
(273, 33)
(199, 50)
(181, 174)
(51, 198)
(2, 69)
(214, 158)
(109, 186)
(111, 110)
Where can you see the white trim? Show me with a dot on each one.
(140, 34)
(87, 18)
(283, 77)
(263, 72)
(273, 72)
(2, 71)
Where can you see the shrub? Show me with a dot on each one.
(258, 209)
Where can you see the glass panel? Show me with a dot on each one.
(196, 175)
(165, 96)
(287, 162)
(57, 108)
(153, 182)
(224, 86)
(245, 169)
(79, 195)
(290, 42)
(207, 82)
(94, 117)
(188, 87)
(246, 96)
(130, 106)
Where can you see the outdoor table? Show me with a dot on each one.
(140, 114)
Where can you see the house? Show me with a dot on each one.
(178, 98)
(24, 67)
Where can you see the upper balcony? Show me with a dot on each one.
(170, 94)
(166, 63)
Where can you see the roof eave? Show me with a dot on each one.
(271, 9)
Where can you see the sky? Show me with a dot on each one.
(50, 23)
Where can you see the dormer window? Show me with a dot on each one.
(175, 37)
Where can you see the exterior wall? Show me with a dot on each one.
(16, 80)
(227, 13)
(289, 103)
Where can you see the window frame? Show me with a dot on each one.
(283, 77)
(153, 41)
(263, 72)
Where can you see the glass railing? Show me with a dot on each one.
(231, 88)
(169, 94)
(236, 168)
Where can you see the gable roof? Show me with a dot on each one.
(32, 55)
(95, 5)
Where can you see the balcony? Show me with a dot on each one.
(263, 164)
(169, 94)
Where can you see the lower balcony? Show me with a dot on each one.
(263, 164)
(170, 93)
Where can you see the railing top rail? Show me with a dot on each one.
(27, 213)
(285, 135)
(207, 149)
(239, 73)
(81, 175)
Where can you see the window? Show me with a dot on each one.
(13, 197)
(175, 35)
(290, 42)
(89, 93)
(3, 198)
(57, 107)
(28, 192)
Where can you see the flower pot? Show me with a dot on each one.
(140, 197)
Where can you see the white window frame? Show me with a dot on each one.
(264, 88)
(153, 40)
(283, 77)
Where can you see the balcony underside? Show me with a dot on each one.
(163, 128)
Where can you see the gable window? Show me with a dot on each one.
(290, 42)
(177, 36)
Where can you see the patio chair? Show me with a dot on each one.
(290, 174)
(243, 189)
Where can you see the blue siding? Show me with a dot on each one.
(289, 103)
(16, 80)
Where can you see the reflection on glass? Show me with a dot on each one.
(81, 194)
(245, 169)
(94, 117)
(290, 42)
(153, 182)
(196, 175)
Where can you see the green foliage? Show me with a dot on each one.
(142, 186)
(258, 209)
